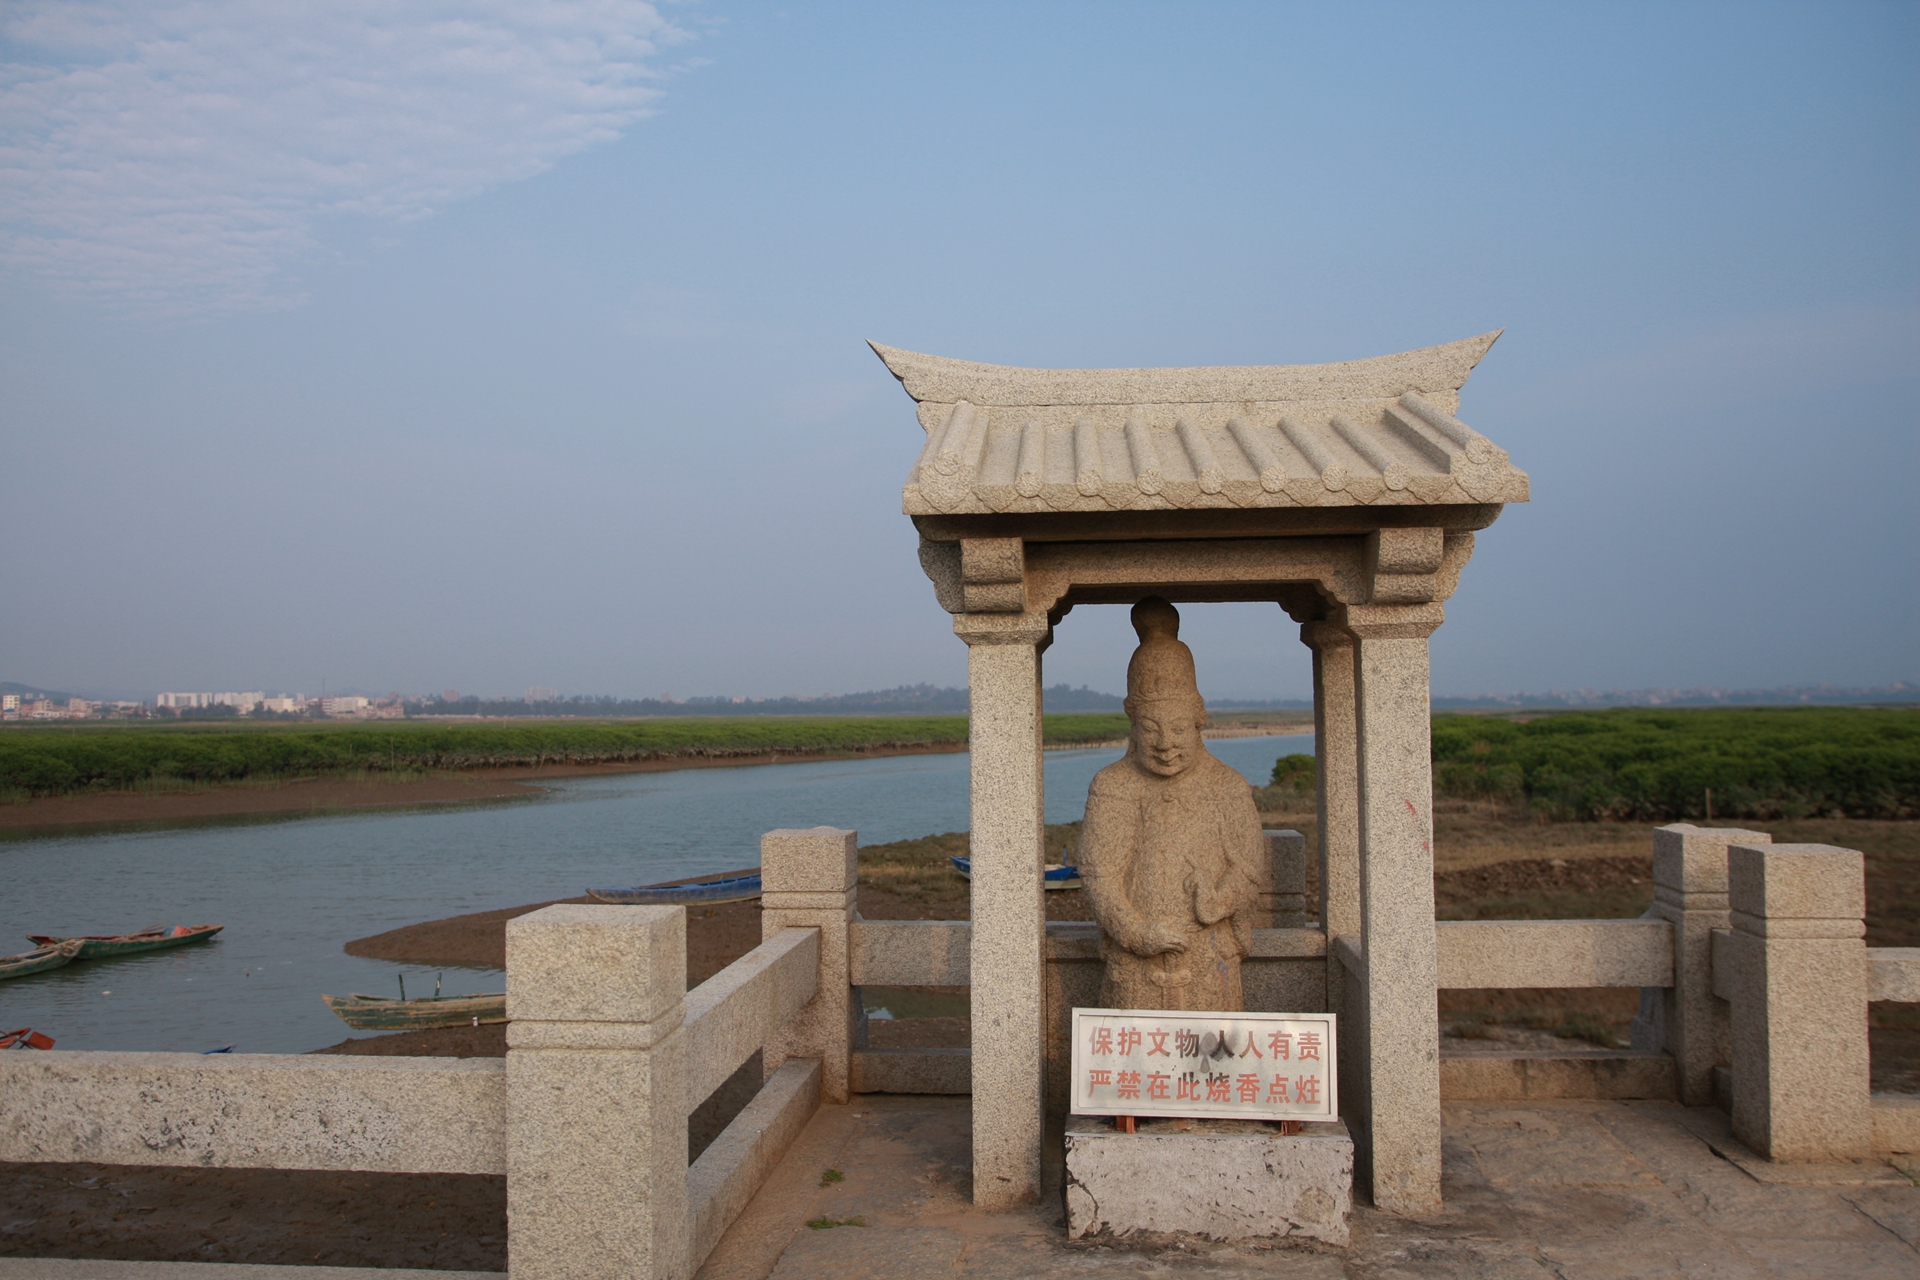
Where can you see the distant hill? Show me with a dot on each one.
(33, 691)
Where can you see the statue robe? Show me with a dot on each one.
(1187, 852)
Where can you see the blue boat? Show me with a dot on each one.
(1055, 876)
(728, 889)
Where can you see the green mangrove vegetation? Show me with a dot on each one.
(37, 761)
(1664, 765)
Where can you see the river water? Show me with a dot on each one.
(291, 891)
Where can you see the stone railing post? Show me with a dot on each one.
(597, 1094)
(1401, 1079)
(809, 879)
(1687, 1020)
(1798, 986)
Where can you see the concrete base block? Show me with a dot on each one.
(1222, 1179)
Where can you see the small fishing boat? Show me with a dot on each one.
(125, 944)
(726, 889)
(425, 1013)
(1054, 877)
(38, 960)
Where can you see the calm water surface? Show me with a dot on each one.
(292, 891)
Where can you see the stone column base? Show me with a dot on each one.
(1222, 1179)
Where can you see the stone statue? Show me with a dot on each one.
(1172, 853)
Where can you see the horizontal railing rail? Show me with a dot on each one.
(1893, 973)
(256, 1111)
(1554, 953)
(730, 1015)
(935, 953)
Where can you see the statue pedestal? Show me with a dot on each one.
(1223, 1179)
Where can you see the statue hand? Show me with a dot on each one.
(1164, 937)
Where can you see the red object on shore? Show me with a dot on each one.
(25, 1038)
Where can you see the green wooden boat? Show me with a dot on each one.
(381, 1013)
(126, 944)
(38, 960)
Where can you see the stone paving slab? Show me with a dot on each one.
(1587, 1190)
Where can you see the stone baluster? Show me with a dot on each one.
(809, 879)
(597, 1094)
(1687, 1020)
(1797, 981)
(1401, 1032)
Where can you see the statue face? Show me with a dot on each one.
(1166, 737)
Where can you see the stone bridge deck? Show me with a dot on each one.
(1570, 1189)
(1564, 1189)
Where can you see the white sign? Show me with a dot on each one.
(1245, 1066)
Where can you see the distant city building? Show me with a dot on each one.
(348, 706)
(540, 693)
(242, 703)
(9, 702)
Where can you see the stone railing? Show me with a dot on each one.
(1767, 1015)
(608, 1053)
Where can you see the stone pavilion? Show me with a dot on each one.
(1348, 494)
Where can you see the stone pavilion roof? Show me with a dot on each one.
(1376, 432)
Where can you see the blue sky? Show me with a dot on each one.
(489, 345)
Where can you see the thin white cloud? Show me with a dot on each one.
(174, 155)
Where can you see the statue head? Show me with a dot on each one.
(1163, 697)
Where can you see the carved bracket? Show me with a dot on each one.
(993, 574)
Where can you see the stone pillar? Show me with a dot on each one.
(1336, 777)
(1402, 1086)
(1687, 1020)
(1337, 801)
(1798, 985)
(1009, 917)
(597, 1094)
(808, 880)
